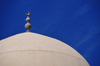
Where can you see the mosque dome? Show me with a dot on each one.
(31, 49)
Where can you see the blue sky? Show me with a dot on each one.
(75, 22)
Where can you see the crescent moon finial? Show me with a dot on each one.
(28, 13)
(28, 25)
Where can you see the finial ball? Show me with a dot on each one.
(27, 26)
(27, 19)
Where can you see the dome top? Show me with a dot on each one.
(33, 41)
(29, 41)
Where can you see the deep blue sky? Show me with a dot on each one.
(75, 22)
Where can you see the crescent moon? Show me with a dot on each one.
(28, 13)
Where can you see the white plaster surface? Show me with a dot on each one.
(31, 49)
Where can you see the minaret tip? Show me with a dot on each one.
(28, 25)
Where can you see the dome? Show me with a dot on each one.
(31, 49)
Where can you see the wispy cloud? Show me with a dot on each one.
(91, 31)
(82, 10)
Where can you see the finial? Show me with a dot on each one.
(28, 13)
(28, 25)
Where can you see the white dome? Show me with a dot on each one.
(30, 49)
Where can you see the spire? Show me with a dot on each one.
(28, 25)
